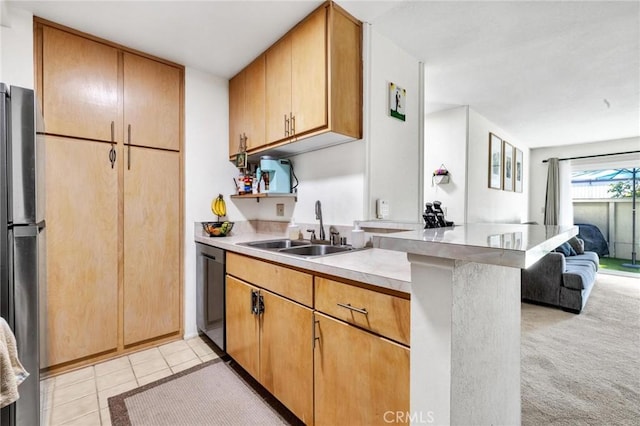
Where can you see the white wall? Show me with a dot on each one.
(485, 204)
(538, 169)
(445, 143)
(334, 175)
(207, 170)
(3, 14)
(17, 48)
(394, 145)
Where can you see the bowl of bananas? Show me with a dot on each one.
(217, 229)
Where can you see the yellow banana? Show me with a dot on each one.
(218, 206)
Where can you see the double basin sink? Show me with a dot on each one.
(300, 248)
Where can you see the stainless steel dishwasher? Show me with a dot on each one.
(210, 309)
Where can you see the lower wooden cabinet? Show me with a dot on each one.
(151, 244)
(82, 250)
(360, 378)
(90, 240)
(337, 364)
(286, 354)
(271, 338)
(243, 328)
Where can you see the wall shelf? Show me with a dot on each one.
(265, 195)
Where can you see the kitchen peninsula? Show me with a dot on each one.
(464, 323)
(465, 317)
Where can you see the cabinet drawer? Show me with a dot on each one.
(286, 282)
(381, 313)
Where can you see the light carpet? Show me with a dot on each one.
(209, 394)
(584, 369)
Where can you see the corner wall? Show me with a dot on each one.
(394, 145)
(445, 142)
(492, 205)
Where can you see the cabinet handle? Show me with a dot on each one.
(254, 302)
(112, 156)
(112, 151)
(293, 124)
(315, 338)
(129, 147)
(353, 308)
(286, 125)
(260, 304)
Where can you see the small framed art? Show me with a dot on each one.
(397, 98)
(519, 171)
(241, 160)
(507, 180)
(495, 162)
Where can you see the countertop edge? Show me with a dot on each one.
(317, 265)
(501, 256)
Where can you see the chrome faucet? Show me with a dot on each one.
(319, 217)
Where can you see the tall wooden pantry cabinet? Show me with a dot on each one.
(114, 124)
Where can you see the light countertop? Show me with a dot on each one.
(379, 267)
(513, 245)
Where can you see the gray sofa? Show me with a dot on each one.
(559, 280)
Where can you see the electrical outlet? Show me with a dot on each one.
(382, 209)
(279, 209)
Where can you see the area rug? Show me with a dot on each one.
(212, 393)
(584, 369)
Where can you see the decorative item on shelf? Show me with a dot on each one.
(440, 176)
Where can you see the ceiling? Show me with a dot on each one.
(548, 72)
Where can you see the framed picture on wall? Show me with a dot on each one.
(397, 99)
(507, 180)
(495, 162)
(519, 170)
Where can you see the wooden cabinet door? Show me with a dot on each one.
(80, 86)
(278, 89)
(358, 376)
(286, 354)
(151, 244)
(254, 106)
(242, 326)
(82, 250)
(236, 112)
(152, 98)
(309, 73)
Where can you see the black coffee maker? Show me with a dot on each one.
(434, 216)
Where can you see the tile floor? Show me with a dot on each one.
(80, 397)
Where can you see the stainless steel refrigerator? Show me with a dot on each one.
(22, 242)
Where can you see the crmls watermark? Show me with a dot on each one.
(417, 417)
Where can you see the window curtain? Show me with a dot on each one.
(552, 201)
(558, 208)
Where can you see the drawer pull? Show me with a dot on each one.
(353, 308)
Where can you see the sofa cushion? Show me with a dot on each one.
(566, 249)
(577, 244)
(579, 276)
(591, 256)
